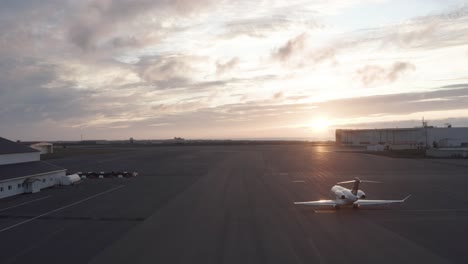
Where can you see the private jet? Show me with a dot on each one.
(353, 197)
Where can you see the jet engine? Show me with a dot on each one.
(361, 195)
(340, 194)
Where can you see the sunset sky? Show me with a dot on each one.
(156, 69)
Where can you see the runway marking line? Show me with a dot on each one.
(61, 208)
(298, 181)
(13, 206)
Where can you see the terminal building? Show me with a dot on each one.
(404, 138)
(22, 171)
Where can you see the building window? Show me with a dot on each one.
(19, 185)
(1, 189)
(43, 180)
(9, 187)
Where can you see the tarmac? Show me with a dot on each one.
(234, 204)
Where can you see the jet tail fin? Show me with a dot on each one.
(404, 199)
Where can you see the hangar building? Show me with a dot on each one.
(404, 138)
(22, 171)
(43, 147)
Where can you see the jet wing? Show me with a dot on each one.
(320, 202)
(376, 202)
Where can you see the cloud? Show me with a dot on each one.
(25, 95)
(372, 74)
(457, 85)
(297, 97)
(181, 71)
(263, 26)
(166, 72)
(121, 64)
(290, 48)
(176, 73)
(97, 20)
(416, 34)
(421, 33)
(278, 95)
(98, 28)
(160, 124)
(324, 54)
(253, 27)
(399, 68)
(242, 97)
(407, 35)
(296, 50)
(30, 27)
(97, 110)
(264, 115)
(221, 68)
(440, 99)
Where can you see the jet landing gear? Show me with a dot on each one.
(337, 207)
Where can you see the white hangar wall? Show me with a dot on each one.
(18, 185)
(19, 157)
(437, 134)
(403, 138)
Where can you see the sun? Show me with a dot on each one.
(320, 124)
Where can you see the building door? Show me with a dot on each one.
(35, 186)
(32, 185)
